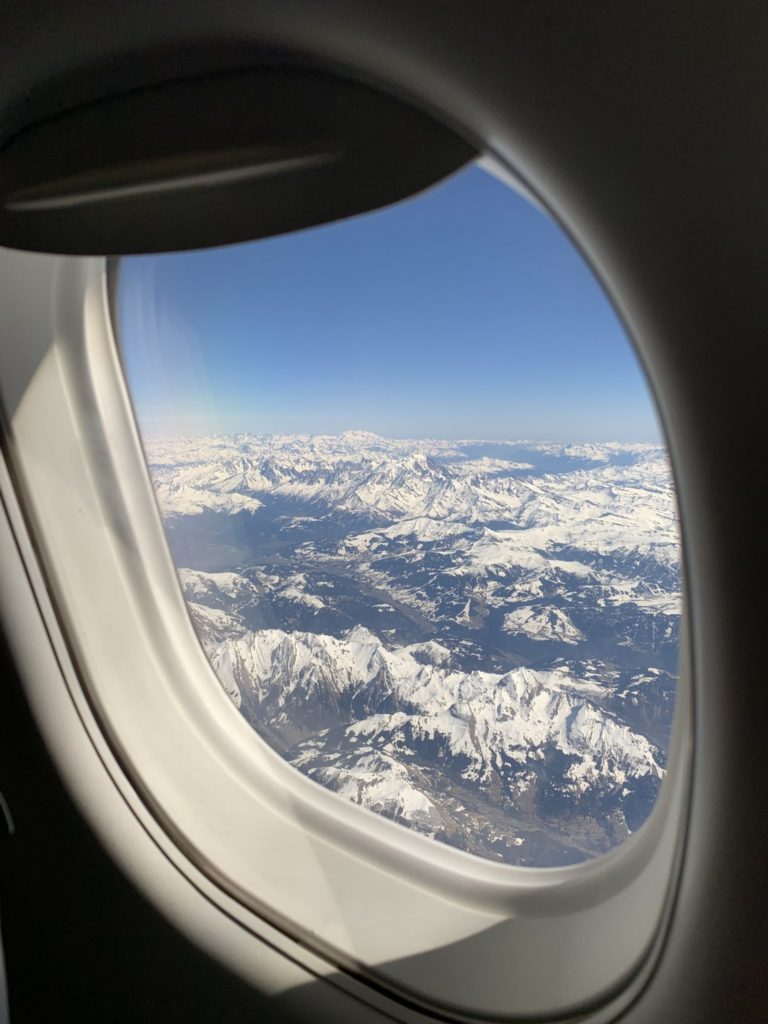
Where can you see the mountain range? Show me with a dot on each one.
(477, 639)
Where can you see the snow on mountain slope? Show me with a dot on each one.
(295, 589)
(221, 589)
(213, 626)
(214, 600)
(376, 780)
(397, 734)
(185, 500)
(542, 623)
(475, 638)
(477, 715)
(627, 505)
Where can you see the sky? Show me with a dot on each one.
(463, 312)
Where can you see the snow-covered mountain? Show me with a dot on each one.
(436, 480)
(478, 639)
(404, 733)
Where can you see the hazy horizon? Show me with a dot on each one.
(151, 435)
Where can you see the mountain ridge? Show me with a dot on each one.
(475, 639)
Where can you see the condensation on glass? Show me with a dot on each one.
(425, 525)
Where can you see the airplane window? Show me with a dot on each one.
(422, 513)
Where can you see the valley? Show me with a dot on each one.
(476, 639)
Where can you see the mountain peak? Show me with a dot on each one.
(361, 635)
(361, 437)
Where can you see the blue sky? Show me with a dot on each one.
(463, 312)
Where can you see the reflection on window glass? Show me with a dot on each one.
(412, 479)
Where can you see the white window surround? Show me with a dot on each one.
(434, 925)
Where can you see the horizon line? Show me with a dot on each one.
(312, 435)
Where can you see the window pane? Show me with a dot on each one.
(423, 517)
